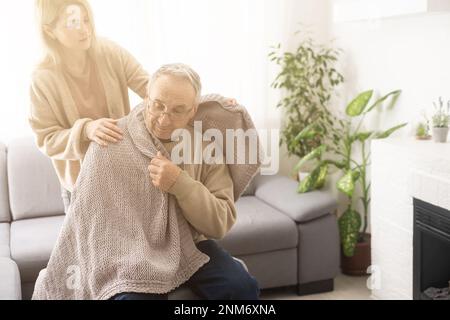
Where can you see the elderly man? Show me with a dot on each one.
(203, 192)
(138, 225)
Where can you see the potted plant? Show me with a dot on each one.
(353, 229)
(441, 119)
(308, 79)
(423, 131)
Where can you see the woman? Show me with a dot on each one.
(80, 88)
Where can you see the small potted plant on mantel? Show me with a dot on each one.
(441, 120)
(423, 129)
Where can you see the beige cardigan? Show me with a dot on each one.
(54, 118)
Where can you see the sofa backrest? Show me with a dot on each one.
(5, 215)
(34, 188)
(29, 178)
(250, 191)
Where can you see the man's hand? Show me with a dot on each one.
(163, 172)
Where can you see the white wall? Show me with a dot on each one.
(411, 53)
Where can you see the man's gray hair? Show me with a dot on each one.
(179, 70)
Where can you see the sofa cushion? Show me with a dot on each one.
(273, 269)
(34, 188)
(5, 215)
(281, 193)
(10, 280)
(259, 228)
(32, 242)
(4, 240)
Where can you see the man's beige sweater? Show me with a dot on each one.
(205, 195)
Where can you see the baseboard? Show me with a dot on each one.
(315, 287)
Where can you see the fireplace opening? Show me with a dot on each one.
(431, 252)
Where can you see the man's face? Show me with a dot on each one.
(170, 105)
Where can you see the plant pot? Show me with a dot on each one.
(423, 137)
(440, 135)
(361, 261)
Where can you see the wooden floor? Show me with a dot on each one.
(345, 288)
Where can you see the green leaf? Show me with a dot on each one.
(347, 183)
(339, 165)
(309, 132)
(387, 133)
(394, 100)
(315, 154)
(322, 177)
(349, 226)
(395, 95)
(309, 183)
(362, 136)
(357, 106)
(306, 185)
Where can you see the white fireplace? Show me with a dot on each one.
(402, 169)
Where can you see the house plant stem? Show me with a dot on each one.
(365, 192)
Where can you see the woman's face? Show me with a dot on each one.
(73, 29)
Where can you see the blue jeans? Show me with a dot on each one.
(222, 278)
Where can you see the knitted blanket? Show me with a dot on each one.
(122, 234)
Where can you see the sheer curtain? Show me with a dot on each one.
(18, 55)
(226, 41)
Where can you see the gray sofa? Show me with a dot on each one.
(285, 239)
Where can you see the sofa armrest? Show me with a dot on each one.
(5, 235)
(281, 193)
(10, 288)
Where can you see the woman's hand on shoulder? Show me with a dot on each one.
(231, 102)
(104, 132)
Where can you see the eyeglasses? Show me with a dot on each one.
(158, 109)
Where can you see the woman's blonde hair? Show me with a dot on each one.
(47, 14)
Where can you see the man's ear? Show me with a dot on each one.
(49, 32)
(194, 111)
